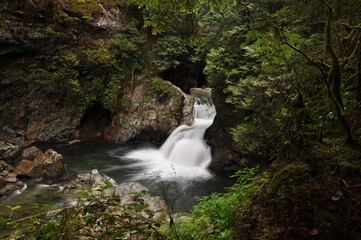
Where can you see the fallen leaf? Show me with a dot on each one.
(314, 232)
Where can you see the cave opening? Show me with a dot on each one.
(94, 121)
(186, 76)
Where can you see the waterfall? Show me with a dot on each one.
(184, 154)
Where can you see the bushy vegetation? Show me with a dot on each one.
(87, 74)
(98, 215)
(214, 216)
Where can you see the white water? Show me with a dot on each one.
(183, 155)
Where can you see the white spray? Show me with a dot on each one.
(184, 153)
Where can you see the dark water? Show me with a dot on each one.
(106, 157)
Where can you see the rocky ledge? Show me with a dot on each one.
(19, 161)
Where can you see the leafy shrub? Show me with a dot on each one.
(101, 216)
(213, 216)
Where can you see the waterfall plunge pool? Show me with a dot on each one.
(108, 159)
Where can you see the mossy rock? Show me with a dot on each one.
(86, 7)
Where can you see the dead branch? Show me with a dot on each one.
(40, 214)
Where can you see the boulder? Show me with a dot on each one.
(129, 193)
(89, 179)
(30, 153)
(154, 108)
(49, 165)
(29, 169)
(8, 181)
(8, 150)
(52, 162)
(224, 157)
(93, 179)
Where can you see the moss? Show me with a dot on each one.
(87, 8)
(162, 89)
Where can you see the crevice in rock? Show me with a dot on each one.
(186, 76)
(94, 121)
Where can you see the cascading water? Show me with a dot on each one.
(184, 154)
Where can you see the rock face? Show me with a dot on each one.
(19, 37)
(49, 165)
(8, 181)
(224, 157)
(32, 30)
(52, 122)
(155, 108)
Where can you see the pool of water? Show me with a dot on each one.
(106, 157)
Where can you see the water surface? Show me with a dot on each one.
(108, 159)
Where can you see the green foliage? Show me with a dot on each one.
(213, 216)
(271, 73)
(125, 48)
(160, 88)
(251, 140)
(91, 74)
(170, 51)
(100, 216)
(307, 196)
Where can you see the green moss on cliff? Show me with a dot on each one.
(86, 8)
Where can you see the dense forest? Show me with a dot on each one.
(286, 81)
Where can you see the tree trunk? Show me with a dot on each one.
(358, 81)
(335, 76)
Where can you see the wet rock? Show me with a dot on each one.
(8, 151)
(11, 144)
(30, 153)
(85, 180)
(52, 163)
(91, 178)
(11, 178)
(8, 181)
(49, 165)
(219, 138)
(11, 187)
(226, 160)
(29, 169)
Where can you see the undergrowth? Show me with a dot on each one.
(213, 217)
(101, 216)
